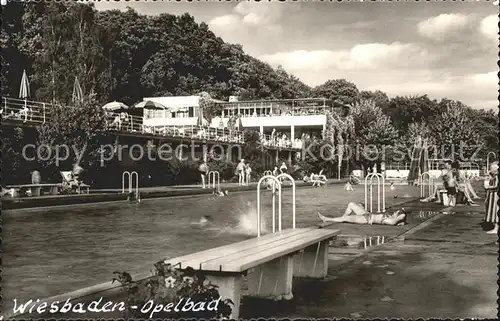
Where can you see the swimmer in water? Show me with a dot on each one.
(204, 221)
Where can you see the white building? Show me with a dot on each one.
(172, 111)
(279, 121)
(287, 117)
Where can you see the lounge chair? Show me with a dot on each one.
(318, 179)
(68, 181)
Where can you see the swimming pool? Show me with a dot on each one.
(54, 250)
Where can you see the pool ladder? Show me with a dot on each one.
(130, 176)
(276, 189)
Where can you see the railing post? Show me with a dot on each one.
(277, 183)
(293, 199)
(123, 180)
(380, 184)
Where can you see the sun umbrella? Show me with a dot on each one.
(24, 90)
(77, 91)
(149, 103)
(114, 105)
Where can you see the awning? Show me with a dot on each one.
(175, 104)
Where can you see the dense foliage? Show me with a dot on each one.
(169, 285)
(125, 56)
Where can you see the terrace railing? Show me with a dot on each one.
(31, 112)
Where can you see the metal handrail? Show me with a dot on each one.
(380, 185)
(214, 174)
(293, 198)
(430, 184)
(277, 183)
(130, 176)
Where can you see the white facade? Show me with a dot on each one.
(177, 111)
(266, 124)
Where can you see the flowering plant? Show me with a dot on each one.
(169, 285)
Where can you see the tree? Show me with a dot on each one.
(454, 136)
(13, 59)
(209, 108)
(380, 98)
(253, 151)
(373, 132)
(337, 132)
(339, 90)
(76, 133)
(406, 110)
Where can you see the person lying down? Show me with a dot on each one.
(355, 213)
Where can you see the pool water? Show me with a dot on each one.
(55, 250)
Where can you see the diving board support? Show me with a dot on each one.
(312, 262)
(273, 279)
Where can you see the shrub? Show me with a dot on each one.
(225, 168)
(170, 285)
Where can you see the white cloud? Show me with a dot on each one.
(262, 13)
(360, 57)
(484, 80)
(443, 26)
(476, 90)
(397, 69)
(247, 20)
(225, 21)
(489, 27)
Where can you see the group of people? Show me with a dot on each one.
(456, 185)
(244, 172)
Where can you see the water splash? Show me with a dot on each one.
(247, 221)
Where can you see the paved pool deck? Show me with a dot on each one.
(444, 267)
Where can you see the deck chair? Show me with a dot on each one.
(68, 180)
(318, 179)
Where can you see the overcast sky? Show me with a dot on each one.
(443, 49)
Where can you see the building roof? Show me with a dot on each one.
(176, 103)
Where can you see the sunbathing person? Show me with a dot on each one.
(355, 213)
(445, 173)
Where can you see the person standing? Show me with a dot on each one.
(203, 169)
(248, 173)
(491, 204)
(240, 171)
(283, 168)
(76, 174)
(36, 178)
